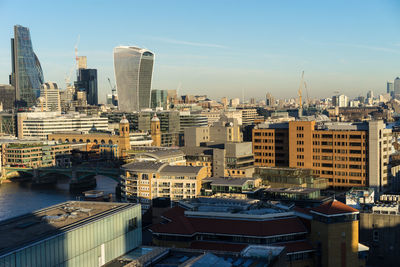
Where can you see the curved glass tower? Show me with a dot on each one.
(27, 75)
(133, 67)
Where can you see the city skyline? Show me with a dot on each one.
(220, 49)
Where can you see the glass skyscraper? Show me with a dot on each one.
(87, 81)
(159, 99)
(133, 68)
(27, 74)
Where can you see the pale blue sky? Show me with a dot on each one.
(219, 48)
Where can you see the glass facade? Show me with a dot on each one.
(159, 99)
(27, 76)
(133, 68)
(87, 81)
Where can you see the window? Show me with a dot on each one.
(133, 224)
(375, 235)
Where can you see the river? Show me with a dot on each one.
(17, 198)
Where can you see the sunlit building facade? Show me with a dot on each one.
(27, 75)
(133, 68)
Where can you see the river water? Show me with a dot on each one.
(17, 198)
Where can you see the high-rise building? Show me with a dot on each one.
(50, 97)
(133, 68)
(396, 85)
(389, 87)
(340, 101)
(82, 62)
(347, 154)
(87, 82)
(27, 75)
(7, 96)
(269, 100)
(159, 99)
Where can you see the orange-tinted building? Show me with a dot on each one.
(347, 154)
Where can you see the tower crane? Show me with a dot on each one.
(113, 93)
(307, 92)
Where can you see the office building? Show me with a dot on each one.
(159, 99)
(82, 62)
(396, 86)
(347, 154)
(172, 97)
(7, 96)
(234, 102)
(269, 100)
(35, 155)
(340, 101)
(27, 75)
(133, 68)
(41, 124)
(212, 115)
(192, 119)
(87, 82)
(71, 234)
(224, 130)
(143, 181)
(50, 97)
(389, 87)
(249, 115)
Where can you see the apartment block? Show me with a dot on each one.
(347, 154)
(144, 181)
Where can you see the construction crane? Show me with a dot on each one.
(76, 52)
(113, 93)
(68, 76)
(299, 91)
(112, 87)
(307, 92)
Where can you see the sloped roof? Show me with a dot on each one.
(334, 207)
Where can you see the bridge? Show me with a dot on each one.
(75, 174)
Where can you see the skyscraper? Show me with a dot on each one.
(396, 85)
(133, 68)
(159, 99)
(389, 87)
(27, 75)
(87, 81)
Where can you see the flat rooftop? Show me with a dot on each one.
(292, 190)
(23, 230)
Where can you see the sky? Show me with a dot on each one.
(220, 47)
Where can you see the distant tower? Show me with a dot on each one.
(389, 87)
(124, 140)
(396, 85)
(155, 130)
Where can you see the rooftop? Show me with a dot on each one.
(333, 207)
(162, 154)
(181, 224)
(23, 230)
(293, 190)
(228, 181)
(163, 168)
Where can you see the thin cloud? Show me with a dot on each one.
(181, 42)
(375, 48)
